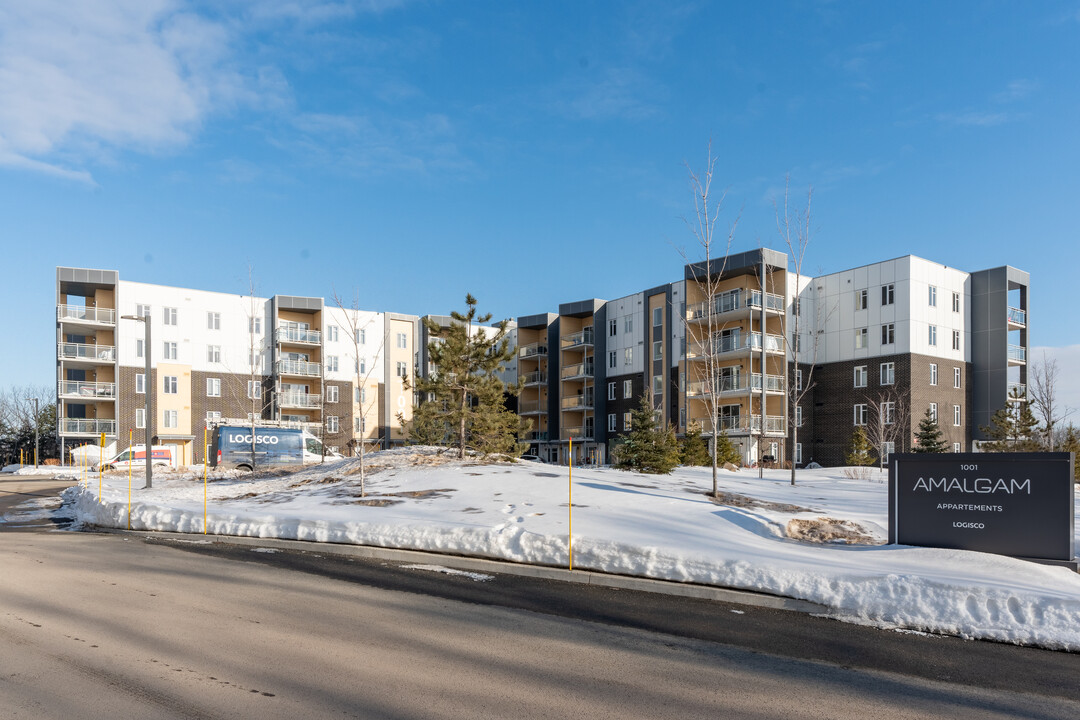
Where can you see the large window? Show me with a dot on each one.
(170, 351)
(332, 363)
(628, 324)
(611, 391)
(955, 339)
(933, 411)
(798, 416)
(402, 340)
(402, 370)
(254, 389)
(140, 383)
(255, 325)
(611, 420)
(860, 299)
(627, 389)
(138, 348)
(213, 387)
(332, 333)
(628, 356)
(168, 316)
(170, 419)
(332, 424)
(657, 317)
(140, 417)
(658, 350)
(332, 393)
(888, 412)
(613, 327)
(213, 321)
(956, 302)
(612, 359)
(142, 310)
(213, 353)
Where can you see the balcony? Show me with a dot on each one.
(87, 353)
(312, 427)
(297, 336)
(773, 303)
(298, 367)
(85, 426)
(299, 400)
(533, 378)
(532, 407)
(736, 344)
(746, 425)
(1017, 392)
(87, 390)
(577, 371)
(734, 303)
(1017, 319)
(1017, 355)
(581, 339)
(536, 436)
(734, 385)
(577, 402)
(533, 350)
(84, 314)
(577, 433)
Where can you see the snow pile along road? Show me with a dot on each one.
(661, 527)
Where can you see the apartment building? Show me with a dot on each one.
(339, 373)
(898, 337)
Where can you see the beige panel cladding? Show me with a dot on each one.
(368, 409)
(314, 320)
(397, 396)
(179, 401)
(103, 298)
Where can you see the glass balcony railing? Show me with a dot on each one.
(298, 367)
(299, 400)
(578, 370)
(81, 351)
(737, 343)
(1017, 354)
(578, 339)
(536, 436)
(773, 302)
(577, 402)
(297, 335)
(733, 300)
(532, 407)
(84, 426)
(87, 390)
(1017, 316)
(577, 433)
(532, 350)
(533, 378)
(82, 313)
(734, 384)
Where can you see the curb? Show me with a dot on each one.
(458, 562)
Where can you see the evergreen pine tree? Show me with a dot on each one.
(928, 439)
(860, 449)
(1071, 443)
(1012, 429)
(465, 388)
(694, 450)
(649, 448)
(726, 452)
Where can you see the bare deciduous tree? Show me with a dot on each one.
(888, 421)
(1043, 389)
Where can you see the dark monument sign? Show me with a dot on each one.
(1018, 504)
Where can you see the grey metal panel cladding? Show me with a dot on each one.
(581, 308)
(740, 263)
(303, 304)
(536, 322)
(989, 343)
(553, 385)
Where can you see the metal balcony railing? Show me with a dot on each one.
(533, 378)
(314, 427)
(1017, 392)
(296, 335)
(773, 383)
(579, 339)
(578, 370)
(81, 351)
(102, 316)
(84, 426)
(87, 390)
(723, 303)
(578, 433)
(532, 407)
(736, 343)
(577, 402)
(1017, 354)
(532, 350)
(773, 302)
(298, 367)
(299, 400)
(536, 436)
(1017, 316)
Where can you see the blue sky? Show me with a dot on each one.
(530, 153)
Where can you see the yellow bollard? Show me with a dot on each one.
(570, 504)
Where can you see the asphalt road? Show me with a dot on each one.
(113, 626)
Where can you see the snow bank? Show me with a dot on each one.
(658, 527)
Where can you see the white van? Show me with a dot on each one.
(135, 457)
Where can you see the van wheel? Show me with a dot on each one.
(245, 468)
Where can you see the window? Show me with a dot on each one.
(611, 391)
(956, 302)
(255, 325)
(888, 449)
(798, 453)
(361, 337)
(363, 395)
(933, 411)
(140, 383)
(611, 420)
(170, 419)
(168, 316)
(956, 447)
(254, 360)
(861, 376)
(798, 416)
(138, 348)
(361, 365)
(888, 334)
(888, 410)
(213, 387)
(888, 373)
(332, 424)
(956, 377)
(860, 299)
(332, 363)
(142, 310)
(402, 340)
(213, 416)
(213, 353)
(628, 356)
(254, 389)
(657, 317)
(796, 307)
(658, 350)
(612, 327)
(612, 359)
(658, 384)
(887, 295)
(332, 333)
(170, 351)
(402, 370)
(332, 393)
(932, 336)
(861, 336)
(213, 321)
(955, 339)
(169, 385)
(798, 379)
(628, 324)
(933, 373)
(956, 415)
(140, 417)
(356, 425)
(860, 414)
(933, 296)
(626, 418)
(627, 389)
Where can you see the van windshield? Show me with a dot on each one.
(313, 446)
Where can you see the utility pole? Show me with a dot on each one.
(148, 386)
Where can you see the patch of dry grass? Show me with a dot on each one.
(829, 530)
(736, 500)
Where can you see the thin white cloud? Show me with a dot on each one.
(976, 118)
(1016, 90)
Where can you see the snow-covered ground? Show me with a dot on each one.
(43, 470)
(652, 526)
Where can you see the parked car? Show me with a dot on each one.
(531, 458)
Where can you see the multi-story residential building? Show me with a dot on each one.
(897, 337)
(291, 360)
